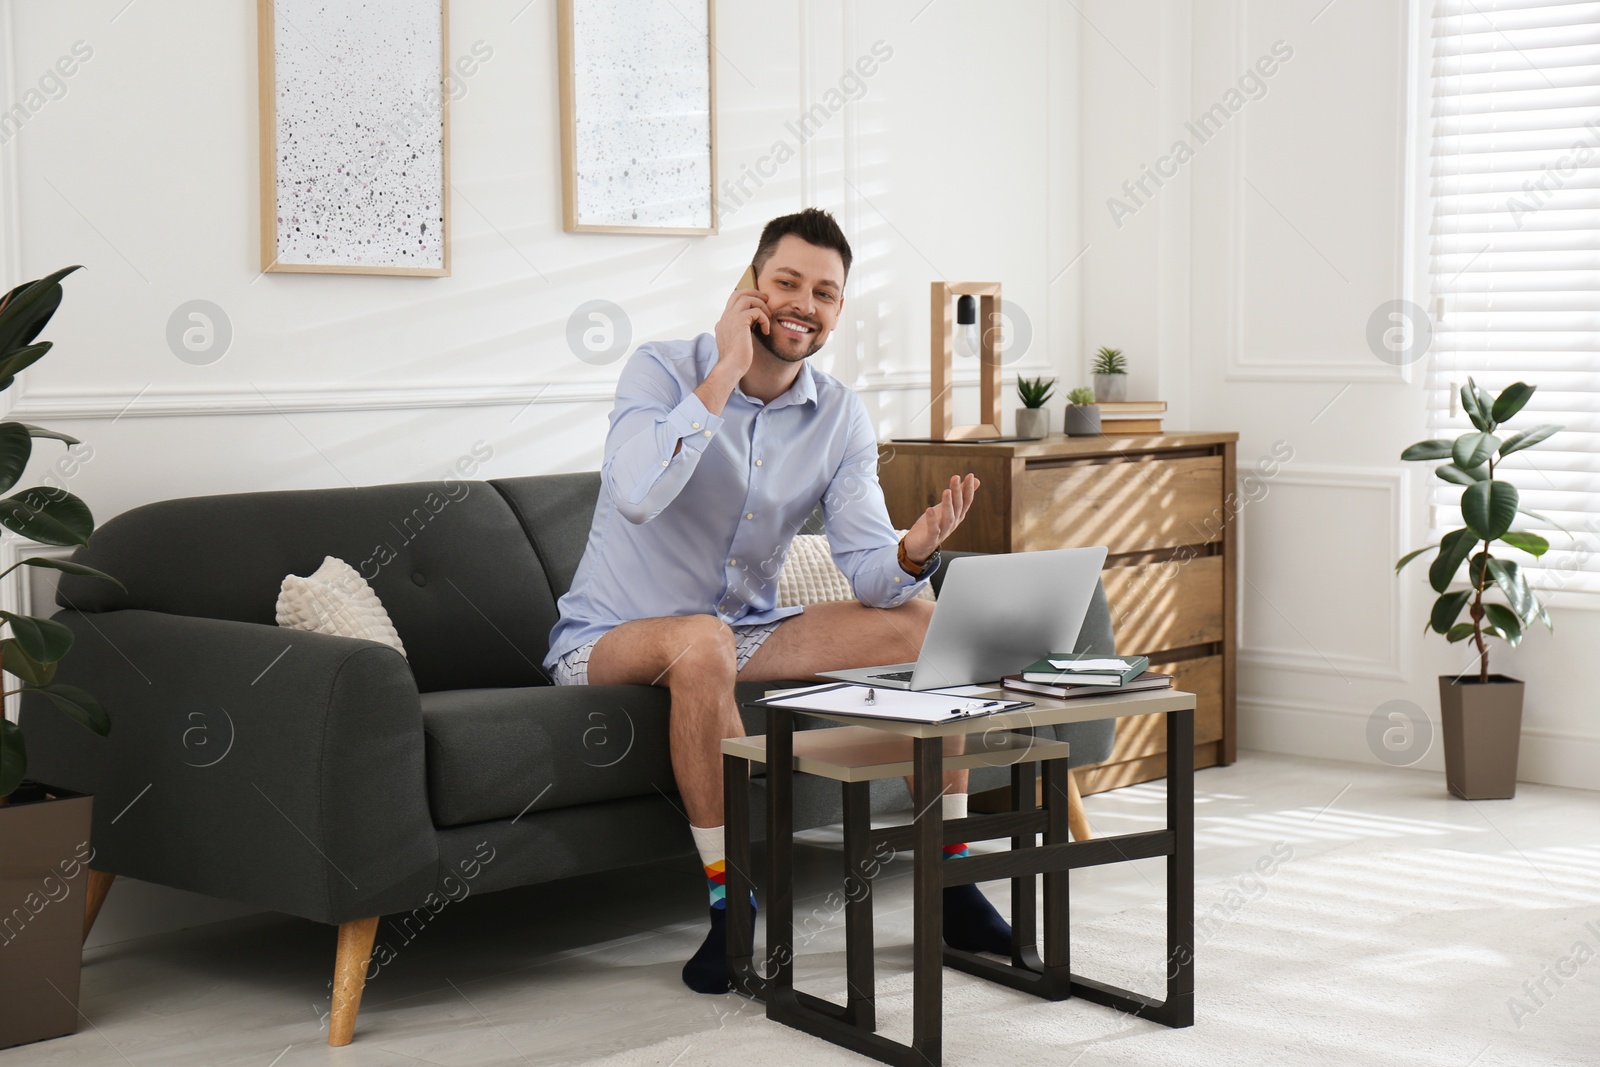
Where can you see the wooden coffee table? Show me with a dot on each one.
(865, 750)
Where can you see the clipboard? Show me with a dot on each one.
(901, 705)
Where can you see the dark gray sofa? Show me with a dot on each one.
(334, 779)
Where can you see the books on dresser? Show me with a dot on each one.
(1071, 668)
(1145, 681)
(1131, 416)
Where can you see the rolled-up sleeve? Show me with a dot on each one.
(856, 519)
(653, 413)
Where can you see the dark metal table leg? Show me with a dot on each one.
(927, 835)
(859, 867)
(780, 856)
(1024, 888)
(1179, 1009)
(739, 874)
(1057, 911)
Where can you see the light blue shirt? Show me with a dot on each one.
(705, 531)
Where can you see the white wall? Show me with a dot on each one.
(959, 161)
(1296, 227)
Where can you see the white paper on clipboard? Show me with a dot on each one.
(901, 704)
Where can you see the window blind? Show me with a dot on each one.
(1513, 253)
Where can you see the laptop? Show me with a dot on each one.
(995, 615)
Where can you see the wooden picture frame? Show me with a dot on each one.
(325, 199)
(942, 342)
(579, 146)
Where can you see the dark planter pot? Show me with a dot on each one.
(1082, 420)
(44, 845)
(1482, 730)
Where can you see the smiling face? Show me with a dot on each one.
(804, 287)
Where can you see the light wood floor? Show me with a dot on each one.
(565, 973)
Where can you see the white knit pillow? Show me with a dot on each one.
(810, 576)
(334, 599)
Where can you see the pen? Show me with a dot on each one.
(872, 695)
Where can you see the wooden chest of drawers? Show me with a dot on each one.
(1161, 505)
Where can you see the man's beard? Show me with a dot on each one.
(765, 343)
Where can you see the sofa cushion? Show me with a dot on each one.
(493, 752)
(449, 560)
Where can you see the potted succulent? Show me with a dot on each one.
(1481, 712)
(1110, 375)
(1083, 418)
(1032, 419)
(44, 832)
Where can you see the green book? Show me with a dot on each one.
(1073, 668)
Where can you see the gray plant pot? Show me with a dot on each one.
(1110, 387)
(1033, 422)
(1083, 420)
(1482, 727)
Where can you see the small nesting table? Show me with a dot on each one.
(864, 750)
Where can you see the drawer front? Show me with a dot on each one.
(1130, 506)
(1158, 606)
(1146, 735)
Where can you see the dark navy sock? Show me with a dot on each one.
(707, 969)
(971, 923)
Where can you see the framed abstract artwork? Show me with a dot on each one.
(355, 136)
(638, 116)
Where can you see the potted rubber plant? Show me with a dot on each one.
(1110, 375)
(44, 831)
(1481, 713)
(1083, 418)
(1032, 419)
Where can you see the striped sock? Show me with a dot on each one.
(954, 806)
(709, 841)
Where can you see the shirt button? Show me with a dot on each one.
(696, 425)
(732, 562)
(706, 432)
(665, 462)
(758, 463)
(749, 514)
(897, 579)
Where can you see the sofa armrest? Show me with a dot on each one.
(275, 767)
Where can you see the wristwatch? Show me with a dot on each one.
(916, 570)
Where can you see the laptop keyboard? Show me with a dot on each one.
(896, 676)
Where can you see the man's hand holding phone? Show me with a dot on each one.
(746, 310)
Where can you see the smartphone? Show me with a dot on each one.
(747, 280)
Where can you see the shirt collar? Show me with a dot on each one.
(802, 390)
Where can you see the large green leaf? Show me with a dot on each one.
(1530, 543)
(44, 639)
(13, 757)
(1475, 411)
(1505, 622)
(1409, 556)
(1528, 438)
(1489, 508)
(1508, 576)
(28, 308)
(1473, 449)
(1452, 473)
(1447, 609)
(1476, 574)
(66, 566)
(1453, 549)
(1510, 400)
(1437, 448)
(20, 360)
(24, 666)
(50, 516)
(1459, 632)
(78, 705)
(16, 447)
(40, 431)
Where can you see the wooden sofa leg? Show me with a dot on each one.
(1077, 822)
(94, 896)
(350, 977)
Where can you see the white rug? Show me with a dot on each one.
(1380, 952)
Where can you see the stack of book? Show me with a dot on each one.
(1070, 674)
(1131, 416)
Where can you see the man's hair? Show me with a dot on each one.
(813, 226)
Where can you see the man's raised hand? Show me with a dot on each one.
(939, 521)
(745, 309)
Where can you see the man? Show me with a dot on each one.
(719, 449)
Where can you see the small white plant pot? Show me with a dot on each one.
(1110, 387)
(1033, 423)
